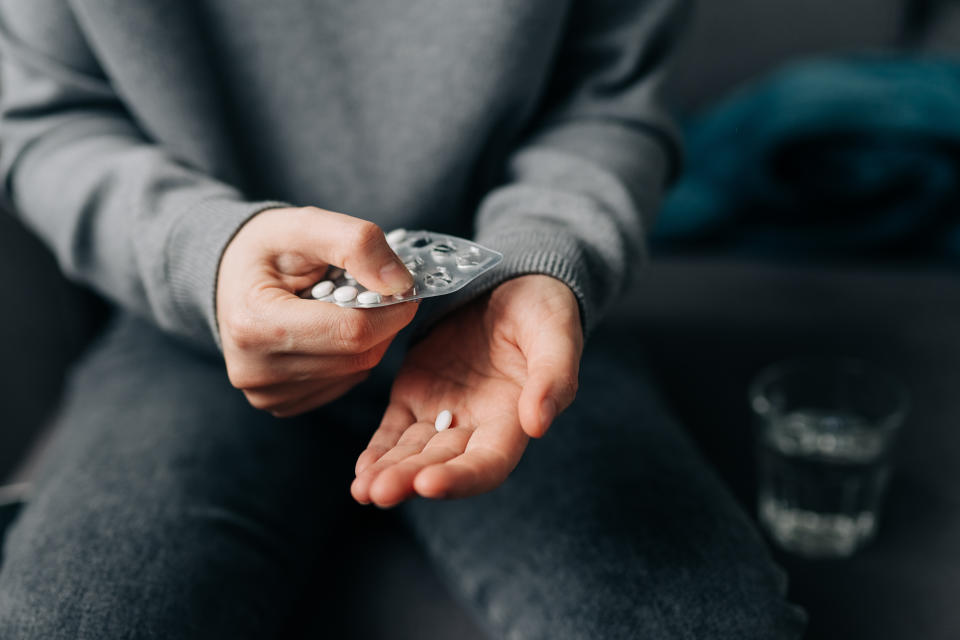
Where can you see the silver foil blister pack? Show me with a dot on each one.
(439, 263)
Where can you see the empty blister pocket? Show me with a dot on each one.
(440, 264)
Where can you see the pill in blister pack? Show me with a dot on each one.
(440, 264)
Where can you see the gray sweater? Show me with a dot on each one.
(138, 136)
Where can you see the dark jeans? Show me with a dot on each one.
(168, 508)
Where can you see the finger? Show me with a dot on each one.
(323, 328)
(396, 420)
(281, 372)
(491, 454)
(395, 483)
(267, 398)
(411, 442)
(553, 365)
(319, 398)
(357, 245)
(271, 377)
(280, 396)
(476, 471)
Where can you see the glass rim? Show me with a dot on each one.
(762, 407)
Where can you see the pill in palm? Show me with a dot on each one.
(345, 294)
(444, 418)
(368, 297)
(322, 289)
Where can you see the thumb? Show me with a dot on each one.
(357, 245)
(553, 365)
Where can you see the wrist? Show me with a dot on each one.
(542, 290)
(541, 247)
(196, 250)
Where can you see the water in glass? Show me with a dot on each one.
(822, 476)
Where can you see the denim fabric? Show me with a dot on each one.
(168, 508)
(611, 527)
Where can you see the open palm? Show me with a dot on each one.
(504, 366)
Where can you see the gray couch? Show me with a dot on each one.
(705, 323)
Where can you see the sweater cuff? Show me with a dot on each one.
(541, 248)
(532, 247)
(192, 261)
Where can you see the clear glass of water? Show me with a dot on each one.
(825, 431)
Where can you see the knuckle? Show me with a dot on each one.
(569, 387)
(237, 375)
(308, 213)
(367, 360)
(259, 400)
(245, 377)
(366, 236)
(244, 332)
(354, 333)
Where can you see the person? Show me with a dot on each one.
(190, 160)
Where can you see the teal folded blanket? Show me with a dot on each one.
(850, 158)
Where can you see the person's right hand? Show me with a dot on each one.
(289, 355)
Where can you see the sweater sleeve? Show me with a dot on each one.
(120, 213)
(582, 188)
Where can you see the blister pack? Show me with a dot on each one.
(440, 264)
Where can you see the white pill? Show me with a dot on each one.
(368, 297)
(349, 277)
(444, 418)
(396, 236)
(322, 289)
(345, 294)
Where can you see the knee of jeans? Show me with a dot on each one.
(678, 603)
(103, 571)
(751, 603)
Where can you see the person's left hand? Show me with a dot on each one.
(505, 366)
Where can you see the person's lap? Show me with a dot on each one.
(640, 541)
(168, 507)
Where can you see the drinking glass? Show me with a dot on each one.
(825, 432)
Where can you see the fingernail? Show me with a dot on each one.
(548, 411)
(396, 276)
